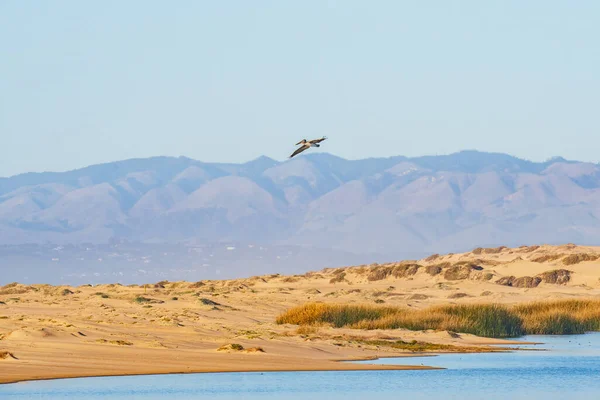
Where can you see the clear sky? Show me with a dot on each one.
(84, 82)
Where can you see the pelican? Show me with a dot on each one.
(306, 144)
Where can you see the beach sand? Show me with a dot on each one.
(51, 332)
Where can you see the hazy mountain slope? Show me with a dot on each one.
(165, 168)
(379, 205)
(157, 201)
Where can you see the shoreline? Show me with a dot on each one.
(343, 364)
(347, 366)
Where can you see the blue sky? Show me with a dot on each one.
(89, 82)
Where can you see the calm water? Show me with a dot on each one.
(569, 369)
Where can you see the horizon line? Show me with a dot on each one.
(285, 160)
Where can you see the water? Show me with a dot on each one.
(569, 369)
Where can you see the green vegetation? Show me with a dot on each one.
(146, 300)
(410, 346)
(141, 300)
(560, 317)
(489, 320)
(208, 302)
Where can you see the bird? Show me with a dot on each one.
(306, 144)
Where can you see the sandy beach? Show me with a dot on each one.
(49, 332)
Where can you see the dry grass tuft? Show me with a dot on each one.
(433, 270)
(117, 342)
(487, 276)
(528, 249)
(15, 288)
(405, 270)
(484, 320)
(4, 355)
(577, 258)
(231, 347)
(255, 350)
(418, 296)
(489, 250)
(313, 275)
(506, 280)
(526, 282)
(460, 271)
(458, 295)
(379, 273)
(490, 320)
(337, 315)
(208, 302)
(147, 300)
(556, 276)
(432, 257)
(547, 258)
(400, 270)
(413, 346)
(338, 277)
(560, 317)
(121, 342)
(305, 330)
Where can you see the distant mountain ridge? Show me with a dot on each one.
(376, 205)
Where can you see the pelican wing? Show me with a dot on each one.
(318, 140)
(299, 150)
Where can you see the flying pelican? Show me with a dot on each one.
(306, 144)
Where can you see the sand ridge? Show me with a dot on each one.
(169, 327)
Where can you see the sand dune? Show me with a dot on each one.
(60, 331)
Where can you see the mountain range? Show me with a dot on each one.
(391, 206)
